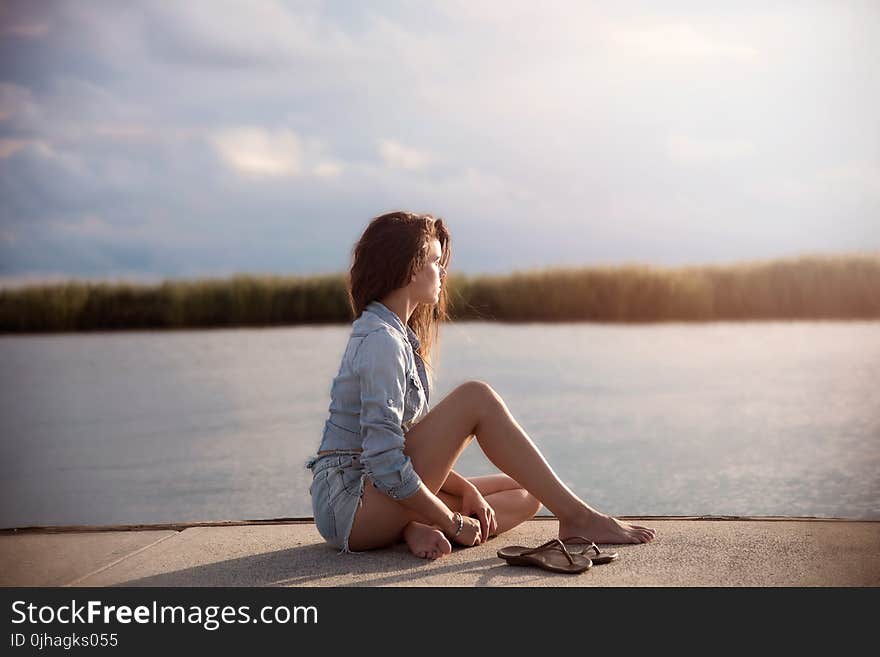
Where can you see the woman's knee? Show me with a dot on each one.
(479, 393)
(479, 389)
(527, 502)
(530, 504)
(520, 506)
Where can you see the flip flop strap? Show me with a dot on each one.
(552, 544)
(585, 541)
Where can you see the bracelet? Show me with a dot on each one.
(460, 524)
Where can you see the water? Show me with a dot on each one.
(764, 418)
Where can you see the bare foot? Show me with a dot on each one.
(426, 542)
(601, 528)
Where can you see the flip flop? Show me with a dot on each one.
(583, 546)
(551, 556)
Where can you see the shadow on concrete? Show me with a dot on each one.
(314, 565)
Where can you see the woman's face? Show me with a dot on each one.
(425, 286)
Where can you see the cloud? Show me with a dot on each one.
(841, 188)
(228, 34)
(681, 148)
(27, 30)
(15, 100)
(328, 169)
(125, 132)
(397, 156)
(69, 113)
(9, 147)
(676, 39)
(22, 20)
(253, 151)
(64, 161)
(256, 152)
(854, 179)
(94, 226)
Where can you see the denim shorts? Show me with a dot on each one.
(337, 491)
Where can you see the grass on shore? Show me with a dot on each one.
(806, 287)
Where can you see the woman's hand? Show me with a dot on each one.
(470, 532)
(475, 505)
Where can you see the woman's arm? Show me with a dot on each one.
(472, 502)
(435, 512)
(380, 363)
(432, 509)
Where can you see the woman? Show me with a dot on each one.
(384, 467)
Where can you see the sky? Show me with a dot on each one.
(158, 140)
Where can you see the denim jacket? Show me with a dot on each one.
(381, 390)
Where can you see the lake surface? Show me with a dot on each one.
(762, 418)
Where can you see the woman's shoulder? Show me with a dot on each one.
(379, 344)
(372, 326)
(380, 337)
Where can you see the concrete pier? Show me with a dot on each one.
(689, 552)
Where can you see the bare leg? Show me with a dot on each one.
(435, 443)
(508, 446)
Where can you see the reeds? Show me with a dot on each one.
(807, 287)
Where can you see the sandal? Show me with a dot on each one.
(582, 546)
(552, 556)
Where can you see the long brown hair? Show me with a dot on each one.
(395, 246)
